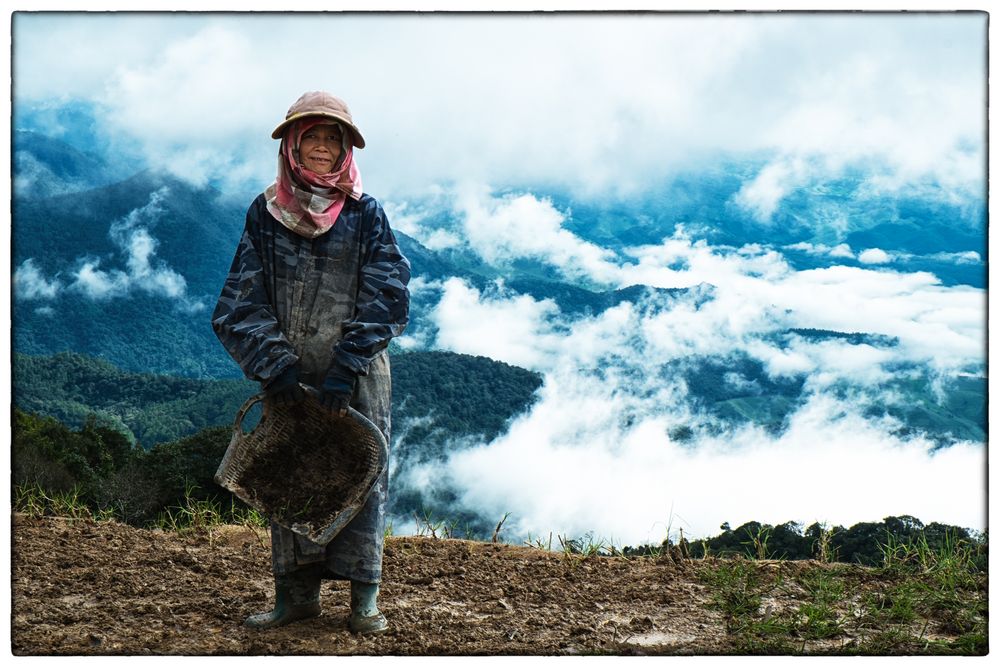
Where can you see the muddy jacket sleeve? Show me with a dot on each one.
(244, 320)
(383, 303)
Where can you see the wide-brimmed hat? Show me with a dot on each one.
(319, 103)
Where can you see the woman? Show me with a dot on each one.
(317, 289)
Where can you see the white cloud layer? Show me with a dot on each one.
(570, 467)
(519, 330)
(595, 452)
(874, 256)
(762, 195)
(841, 250)
(603, 103)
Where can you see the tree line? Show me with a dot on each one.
(108, 473)
(863, 543)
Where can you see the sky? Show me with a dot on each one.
(597, 103)
(481, 116)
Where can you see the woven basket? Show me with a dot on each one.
(305, 468)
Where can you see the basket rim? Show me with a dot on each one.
(319, 530)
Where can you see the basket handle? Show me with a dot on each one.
(250, 402)
(257, 398)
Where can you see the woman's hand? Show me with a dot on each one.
(285, 388)
(337, 389)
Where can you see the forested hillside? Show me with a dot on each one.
(451, 396)
(140, 442)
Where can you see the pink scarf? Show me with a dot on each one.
(302, 200)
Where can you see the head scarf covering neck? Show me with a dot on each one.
(302, 200)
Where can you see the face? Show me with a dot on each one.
(320, 148)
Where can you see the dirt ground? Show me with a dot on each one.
(103, 588)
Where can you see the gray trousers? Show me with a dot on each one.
(356, 552)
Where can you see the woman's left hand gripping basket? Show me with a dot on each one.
(305, 468)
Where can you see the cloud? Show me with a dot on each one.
(98, 284)
(143, 271)
(754, 293)
(839, 251)
(758, 291)
(405, 217)
(517, 330)
(880, 256)
(762, 195)
(608, 104)
(517, 226)
(842, 250)
(828, 363)
(874, 256)
(30, 283)
(969, 257)
(162, 279)
(599, 449)
(615, 394)
(572, 465)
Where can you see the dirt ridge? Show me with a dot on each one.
(81, 587)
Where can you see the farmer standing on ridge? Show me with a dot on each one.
(317, 289)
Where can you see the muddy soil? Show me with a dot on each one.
(102, 588)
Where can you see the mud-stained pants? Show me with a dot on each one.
(356, 552)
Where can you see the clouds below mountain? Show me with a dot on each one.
(142, 272)
(600, 449)
(570, 466)
(519, 330)
(30, 283)
(465, 134)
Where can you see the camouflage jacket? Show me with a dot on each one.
(340, 296)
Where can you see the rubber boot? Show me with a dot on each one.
(366, 619)
(296, 598)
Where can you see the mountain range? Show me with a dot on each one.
(116, 274)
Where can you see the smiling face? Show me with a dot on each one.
(320, 148)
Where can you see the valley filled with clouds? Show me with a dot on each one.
(746, 254)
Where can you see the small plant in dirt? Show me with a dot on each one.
(583, 547)
(69, 504)
(105, 514)
(35, 501)
(818, 618)
(246, 516)
(496, 531)
(195, 514)
(738, 589)
(758, 541)
(427, 524)
(539, 542)
(825, 551)
(29, 499)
